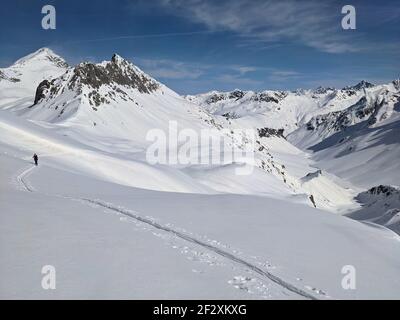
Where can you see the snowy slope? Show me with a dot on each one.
(211, 233)
(18, 82)
(380, 205)
(110, 107)
(99, 236)
(286, 110)
(352, 133)
(360, 143)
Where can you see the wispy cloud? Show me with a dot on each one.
(170, 69)
(242, 70)
(236, 80)
(313, 23)
(239, 76)
(283, 75)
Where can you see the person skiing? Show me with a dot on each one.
(36, 159)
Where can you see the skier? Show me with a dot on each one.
(36, 159)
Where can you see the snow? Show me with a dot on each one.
(380, 205)
(27, 73)
(104, 253)
(352, 134)
(111, 222)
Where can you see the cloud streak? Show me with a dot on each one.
(170, 69)
(226, 75)
(316, 24)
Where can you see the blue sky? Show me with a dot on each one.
(196, 46)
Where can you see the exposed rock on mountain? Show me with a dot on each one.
(19, 82)
(380, 205)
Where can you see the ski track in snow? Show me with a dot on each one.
(20, 179)
(238, 282)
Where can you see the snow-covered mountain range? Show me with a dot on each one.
(352, 132)
(318, 155)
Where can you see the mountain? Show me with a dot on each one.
(286, 110)
(359, 86)
(99, 104)
(19, 81)
(352, 133)
(360, 143)
(87, 86)
(380, 205)
(109, 209)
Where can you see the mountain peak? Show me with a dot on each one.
(44, 50)
(99, 83)
(116, 58)
(396, 84)
(118, 71)
(361, 85)
(323, 90)
(42, 54)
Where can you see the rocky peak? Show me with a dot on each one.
(323, 90)
(236, 94)
(359, 86)
(117, 59)
(396, 84)
(384, 190)
(118, 71)
(115, 77)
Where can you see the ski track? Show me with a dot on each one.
(22, 182)
(134, 215)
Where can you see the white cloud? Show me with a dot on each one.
(236, 80)
(283, 75)
(310, 22)
(172, 69)
(242, 70)
(169, 69)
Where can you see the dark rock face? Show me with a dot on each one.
(274, 97)
(237, 94)
(323, 90)
(57, 61)
(361, 85)
(44, 85)
(314, 174)
(383, 190)
(396, 84)
(340, 120)
(265, 98)
(215, 98)
(117, 76)
(118, 71)
(379, 205)
(268, 132)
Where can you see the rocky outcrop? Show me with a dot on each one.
(40, 91)
(117, 71)
(269, 132)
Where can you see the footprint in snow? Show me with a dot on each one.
(318, 291)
